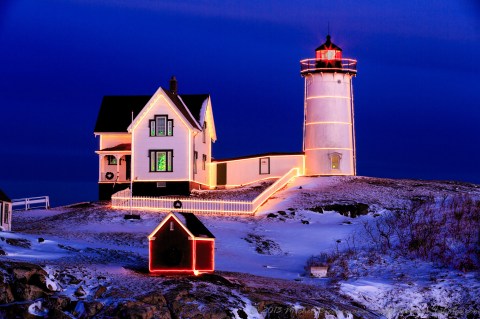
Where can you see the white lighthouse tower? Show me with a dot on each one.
(328, 133)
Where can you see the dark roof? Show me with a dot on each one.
(194, 103)
(257, 155)
(194, 225)
(115, 113)
(119, 147)
(4, 197)
(328, 45)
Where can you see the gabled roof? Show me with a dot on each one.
(188, 108)
(4, 197)
(192, 225)
(194, 103)
(115, 113)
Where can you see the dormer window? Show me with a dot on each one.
(161, 126)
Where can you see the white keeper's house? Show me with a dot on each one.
(162, 143)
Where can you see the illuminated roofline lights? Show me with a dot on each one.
(159, 95)
(255, 181)
(193, 268)
(170, 215)
(333, 122)
(329, 148)
(167, 199)
(256, 157)
(328, 97)
(111, 152)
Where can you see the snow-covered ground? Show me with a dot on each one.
(276, 243)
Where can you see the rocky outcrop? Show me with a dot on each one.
(22, 282)
(23, 291)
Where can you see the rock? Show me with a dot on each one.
(350, 210)
(19, 242)
(59, 302)
(16, 311)
(31, 292)
(92, 308)
(155, 298)
(271, 215)
(41, 240)
(99, 292)
(22, 281)
(305, 222)
(2, 252)
(6, 295)
(131, 216)
(136, 310)
(242, 314)
(80, 292)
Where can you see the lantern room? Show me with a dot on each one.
(329, 54)
(328, 51)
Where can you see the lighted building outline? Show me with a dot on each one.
(164, 147)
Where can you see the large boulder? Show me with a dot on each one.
(20, 281)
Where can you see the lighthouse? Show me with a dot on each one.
(329, 132)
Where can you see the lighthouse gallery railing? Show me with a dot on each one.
(319, 65)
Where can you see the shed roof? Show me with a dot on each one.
(194, 225)
(115, 113)
(4, 197)
(119, 147)
(191, 223)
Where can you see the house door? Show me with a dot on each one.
(221, 174)
(128, 167)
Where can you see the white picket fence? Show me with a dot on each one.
(31, 203)
(123, 200)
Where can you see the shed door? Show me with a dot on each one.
(222, 174)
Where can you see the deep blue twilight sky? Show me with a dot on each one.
(417, 93)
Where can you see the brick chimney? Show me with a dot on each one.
(173, 85)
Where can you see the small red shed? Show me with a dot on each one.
(181, 244)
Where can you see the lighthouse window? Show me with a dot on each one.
(161, 126)
(335, 160)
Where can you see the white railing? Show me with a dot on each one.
(31, 203)
(275, 187)
(123, 200)
(319, 65)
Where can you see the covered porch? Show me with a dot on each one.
(115, 164)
